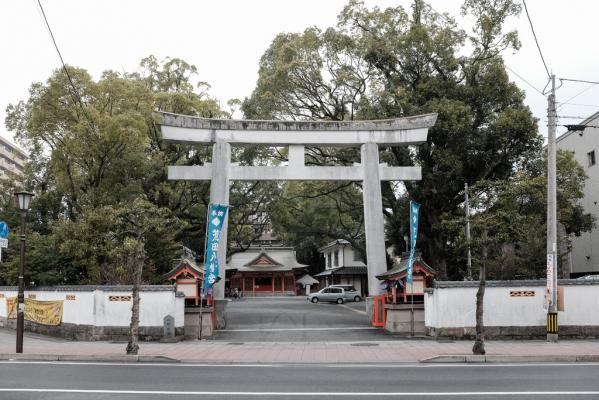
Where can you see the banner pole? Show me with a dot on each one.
(201, 308)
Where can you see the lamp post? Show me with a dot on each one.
(23, 201)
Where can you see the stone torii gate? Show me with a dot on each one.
(221, 134)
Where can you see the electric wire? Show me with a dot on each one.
(578, 104)
(75, 93)
(536, 40)
(524, 80)
(576, 95)
(579, 80)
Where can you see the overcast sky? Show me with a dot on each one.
(225, 39)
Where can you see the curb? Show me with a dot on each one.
(90, 358)
(499, 358)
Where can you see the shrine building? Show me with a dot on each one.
(395, 279)
(265, 270)
(187, 277)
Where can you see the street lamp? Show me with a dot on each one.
(23, 201)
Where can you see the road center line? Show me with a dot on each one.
(305, 394)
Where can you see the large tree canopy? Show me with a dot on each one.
(94, 149)
(387, 63)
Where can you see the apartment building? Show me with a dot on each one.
(12, 158)
(584, 144)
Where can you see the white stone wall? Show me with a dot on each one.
(455, 307)
(93, 307)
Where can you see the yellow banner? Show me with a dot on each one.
(41, 312)
(11, 307)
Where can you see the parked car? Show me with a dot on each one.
(351, 293)
(332, 294)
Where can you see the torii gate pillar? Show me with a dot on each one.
(373, 217)
(219, 193)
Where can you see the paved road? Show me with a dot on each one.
(66, 381)
(294, 319)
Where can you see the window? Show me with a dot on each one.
(329, 265)
(336, 258)
(591, 157)
(356, 255)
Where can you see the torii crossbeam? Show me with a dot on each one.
(221, 134)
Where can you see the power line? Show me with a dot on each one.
(576, 95)
(579, 80)
(571, 117)
(75, 93)
(578, 104)
(536, 41)
(525, 81)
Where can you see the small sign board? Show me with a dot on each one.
(3, 243)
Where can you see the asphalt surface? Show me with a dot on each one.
(294, 319)
(65, 381)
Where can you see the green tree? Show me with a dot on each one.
(411, 64)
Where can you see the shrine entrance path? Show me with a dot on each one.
(294, 319)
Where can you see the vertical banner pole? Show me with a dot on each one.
(214, 225)
(414, 209)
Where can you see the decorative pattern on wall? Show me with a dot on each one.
(119, 298)
(522, 293)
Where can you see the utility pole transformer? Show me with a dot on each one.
(469, 255)
(552, 327)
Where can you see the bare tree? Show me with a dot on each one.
(479, 343)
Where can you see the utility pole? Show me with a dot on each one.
(552, 327)
(469, 255)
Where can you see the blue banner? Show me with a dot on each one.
(214, 225)
(414, 210)
(3, 230)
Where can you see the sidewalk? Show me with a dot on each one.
(401, 350)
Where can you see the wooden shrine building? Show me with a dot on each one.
(264, 270)
(188, 278)
(395, 279)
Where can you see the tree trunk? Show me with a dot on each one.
(132, 346)
(479, 343)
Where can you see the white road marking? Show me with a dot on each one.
(353, 309)
(353, 328)
(311, 365)
(305, 394)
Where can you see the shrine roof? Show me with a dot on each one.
(265, 259)
(402, 267)
(181, 265)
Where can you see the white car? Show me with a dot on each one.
(331, 294)
(351, 293)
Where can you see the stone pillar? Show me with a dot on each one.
(219, 193)
(373, 217)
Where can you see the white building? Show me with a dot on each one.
(585, 147)
(12, 159)
(343, 266)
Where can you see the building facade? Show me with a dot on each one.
(12, 159)
(584, 144)
(264, 270)
(343, 266)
